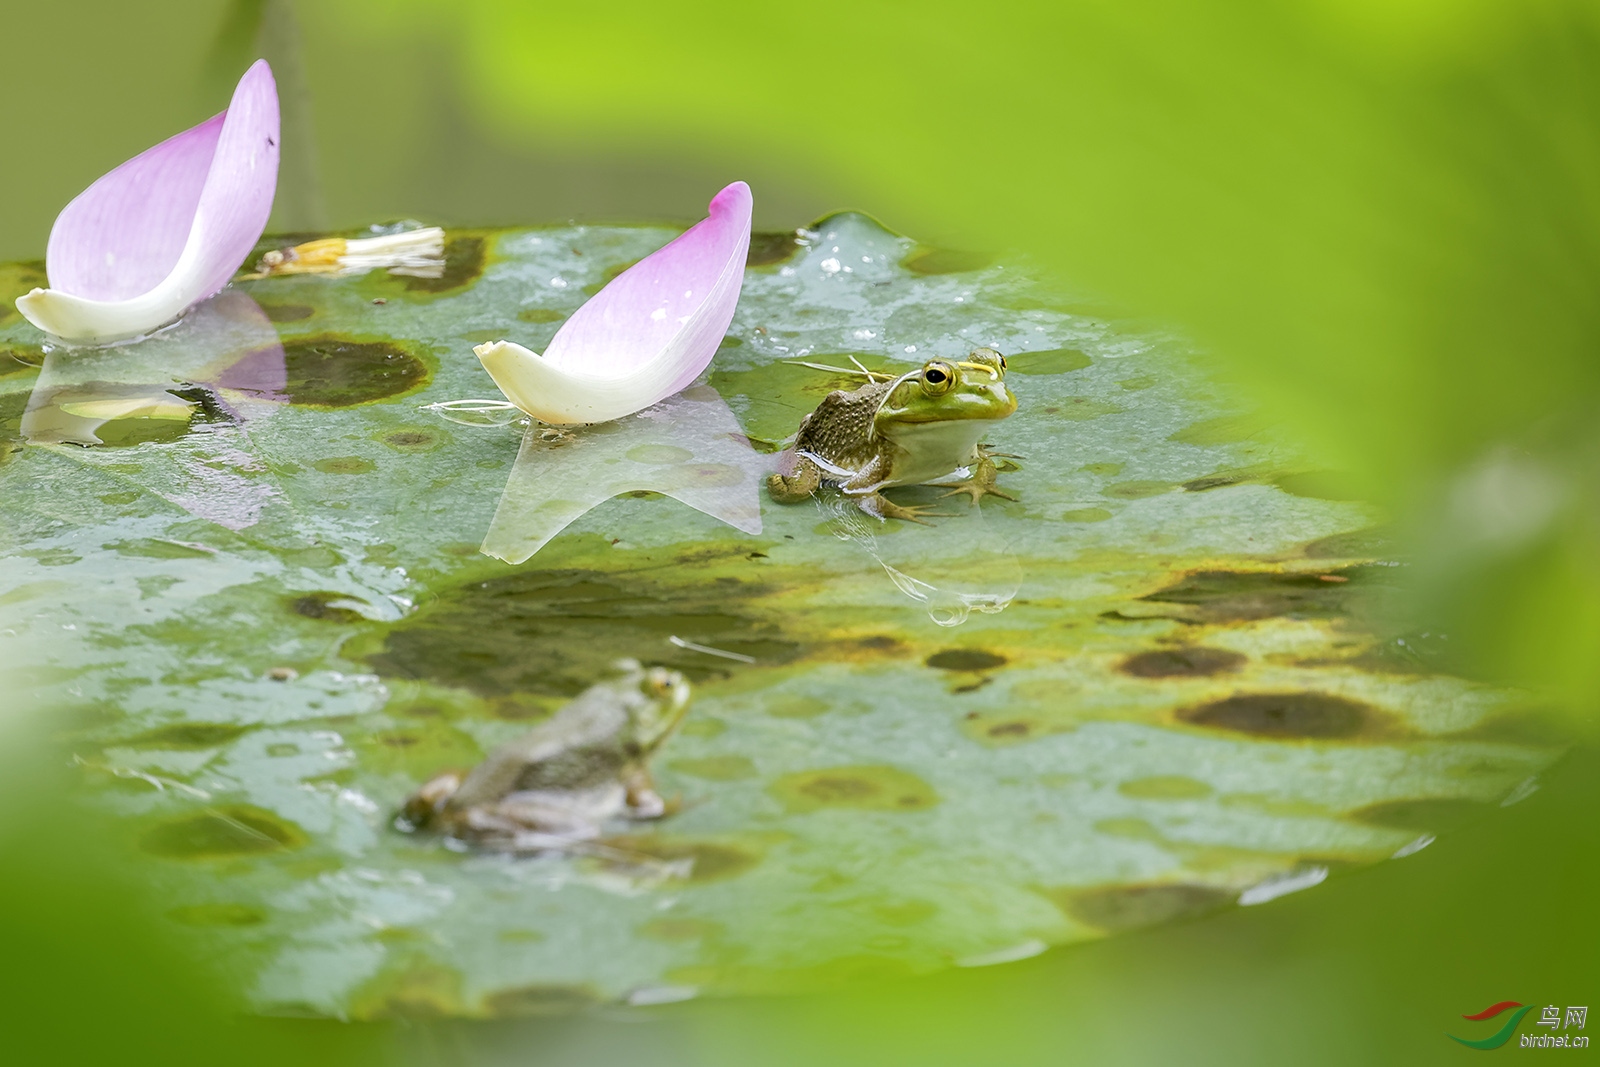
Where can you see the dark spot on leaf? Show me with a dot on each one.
(465, 257)
(879, 643)
(288, 312)
(1010, 729)
(235, 830)
(326, 606)
(1284, 715)
(1192, 662)
(541, 315)
(345, 465)
(1136, 490)
(1424, 814)
(1231, 476)
(944, 261)
(874, 788)
(535, 1000)
(417, 440)
(336, 372)
(188, 735)
(555, 632)
(769, 249)
(1238, 596)
(1116, 908)
(965, 659)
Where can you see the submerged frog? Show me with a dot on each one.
(920, 427)
(557, 784)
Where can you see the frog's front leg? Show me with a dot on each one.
(643, 800)
(797, 485)
(981, 483)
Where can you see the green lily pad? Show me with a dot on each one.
(1164, 674)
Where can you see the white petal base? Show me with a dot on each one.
(688, 447)
(79, 321)
(559, 398)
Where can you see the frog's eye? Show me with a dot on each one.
(937, 377)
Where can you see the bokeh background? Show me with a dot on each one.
(1381, 216)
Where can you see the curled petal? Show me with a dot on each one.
(643, 337)
(166, 229)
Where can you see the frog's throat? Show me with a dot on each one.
(931, 450)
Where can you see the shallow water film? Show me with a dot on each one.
(268, 585)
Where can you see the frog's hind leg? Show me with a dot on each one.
(881, 507)
(981, 484)
(796, 486)
(865, 487)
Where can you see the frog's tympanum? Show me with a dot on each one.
(558, 784)
(920, 427)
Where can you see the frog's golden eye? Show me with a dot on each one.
(936, 377)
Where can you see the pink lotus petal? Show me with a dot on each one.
(643, 337)
(166, 229)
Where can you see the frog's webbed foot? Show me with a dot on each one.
(881, 507)
(981, 484)
(977, 490)
(796, 486)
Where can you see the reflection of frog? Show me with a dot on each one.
(908, 430)
(558, 783)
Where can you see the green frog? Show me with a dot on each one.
(558, 784)
(920, 427)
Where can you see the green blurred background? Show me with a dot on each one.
(1382, 216)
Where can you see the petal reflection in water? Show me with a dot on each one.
(218, 368)
(689, 447)
(952, 568)
(227, 344)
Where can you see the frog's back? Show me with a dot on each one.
(840, 429)
(580, 743)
